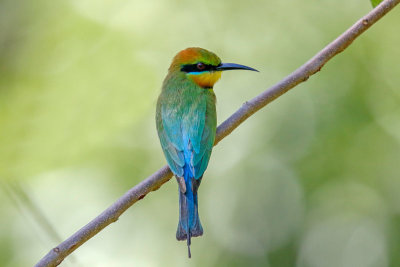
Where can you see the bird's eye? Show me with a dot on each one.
(201, 66)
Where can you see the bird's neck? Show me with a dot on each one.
(205, 79)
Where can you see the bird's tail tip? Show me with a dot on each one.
(188, 245)
(194, 232)
(182, 235)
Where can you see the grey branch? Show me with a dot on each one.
(152, 183)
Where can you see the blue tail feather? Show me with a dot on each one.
(189, 222)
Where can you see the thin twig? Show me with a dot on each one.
(23, 201)
(152, 183)
(19, 197)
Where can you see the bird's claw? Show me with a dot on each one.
(181, 183)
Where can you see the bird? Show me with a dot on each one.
(186, 123)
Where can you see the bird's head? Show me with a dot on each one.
(202, 66)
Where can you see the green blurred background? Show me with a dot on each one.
(313, 180)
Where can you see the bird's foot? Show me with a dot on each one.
(181, 183)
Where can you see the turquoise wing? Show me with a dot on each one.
(173, 154)
(201, 154)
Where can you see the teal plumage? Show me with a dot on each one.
(186, 122)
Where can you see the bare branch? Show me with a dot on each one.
(152, 183)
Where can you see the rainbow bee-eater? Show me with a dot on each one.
(186, 122)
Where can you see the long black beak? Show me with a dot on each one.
(233, 66)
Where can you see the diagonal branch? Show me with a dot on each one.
(152, 183)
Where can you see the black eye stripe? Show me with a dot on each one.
(193, 68)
